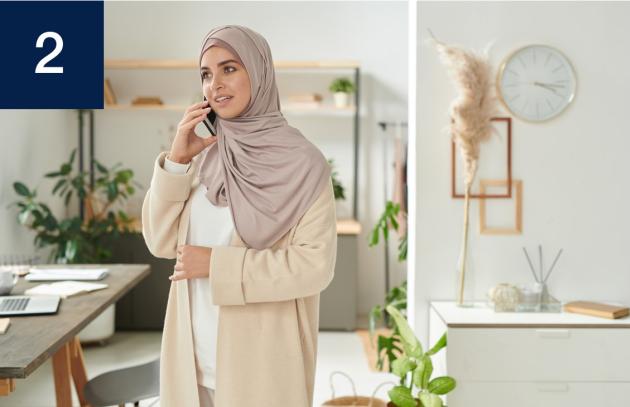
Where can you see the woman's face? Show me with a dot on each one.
(222, 75)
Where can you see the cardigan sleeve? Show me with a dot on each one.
(240, 275)
(162, 208)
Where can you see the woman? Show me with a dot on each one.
(250, 217)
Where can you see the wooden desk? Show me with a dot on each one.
(31, 340)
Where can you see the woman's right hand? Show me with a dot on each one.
(187, 144)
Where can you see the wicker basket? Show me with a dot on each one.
(354, 401)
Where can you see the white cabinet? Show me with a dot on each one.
(531, 359)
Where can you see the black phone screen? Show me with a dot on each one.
(210, 120)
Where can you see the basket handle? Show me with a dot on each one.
(332, 388)
(376, 390)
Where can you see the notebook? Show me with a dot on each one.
(65, 289)
(54, 274)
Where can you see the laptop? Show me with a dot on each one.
(28, 305)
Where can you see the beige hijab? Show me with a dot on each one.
(266, 171)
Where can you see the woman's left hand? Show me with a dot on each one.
(192, 262)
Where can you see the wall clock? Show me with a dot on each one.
(536, 83)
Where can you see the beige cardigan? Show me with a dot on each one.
(269, 302)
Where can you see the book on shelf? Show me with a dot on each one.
(110, 96)
(597, 309)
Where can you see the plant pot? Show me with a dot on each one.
(342, 99)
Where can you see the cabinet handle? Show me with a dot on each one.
(553, 333)
(552, 387)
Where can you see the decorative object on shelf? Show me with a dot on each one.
(504, 297)
(536, 83)
(110, 96)
(504, 135)
(147, 100)
(535, 297)
(337, 186)
(471, 116)
(305, 100)
(413, 361)
(341, 88)
(75, 240)
(597, 310)
(518, 208)
(354, 400)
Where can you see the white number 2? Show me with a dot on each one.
(41, 66)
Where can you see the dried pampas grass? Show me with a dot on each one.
(476, 104)
(471, 113)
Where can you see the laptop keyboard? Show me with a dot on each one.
(14, 304)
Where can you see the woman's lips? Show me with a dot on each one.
(223, 102)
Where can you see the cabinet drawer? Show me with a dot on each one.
(538, 355)
(502, 394)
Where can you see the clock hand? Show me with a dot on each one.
(549, 84)
(542, 85)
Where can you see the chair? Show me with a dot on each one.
(128, 385)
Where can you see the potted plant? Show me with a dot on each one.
(77, 240)
(341, 88)
(415, 368)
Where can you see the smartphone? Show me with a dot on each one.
(209, 121)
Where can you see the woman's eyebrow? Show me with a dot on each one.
(205, 68)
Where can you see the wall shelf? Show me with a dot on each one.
(192, 64)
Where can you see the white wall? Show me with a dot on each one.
(373, 33)
(32, 143)
(574, 168)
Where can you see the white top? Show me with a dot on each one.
(481, 315)
(208, 226)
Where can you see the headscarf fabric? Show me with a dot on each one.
(266, 171)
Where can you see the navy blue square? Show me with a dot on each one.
(74, 44)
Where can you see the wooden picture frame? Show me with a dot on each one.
(518, 208)
(508, 194)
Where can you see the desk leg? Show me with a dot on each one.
(68, 361)
(6, 386)
(78, 369)
(61, 374)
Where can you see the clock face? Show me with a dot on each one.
(536, 83)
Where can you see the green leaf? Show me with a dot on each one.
(441, 385)
(72, 154)
(401, 396)
(418, 372)
(71, 250)
(68, 196)
(402, 366)
(430, 400)
(23, 217)
(101, 167)
(53, 174)
(58, 185)
(410, 342)
(65, 169)
(21, 189)
(438, 345)
(112, 191)
(426, 372)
